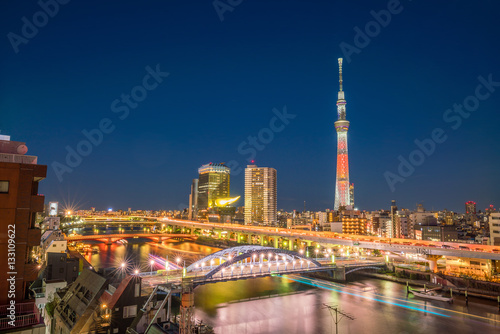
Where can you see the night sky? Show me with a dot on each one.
(225, 78)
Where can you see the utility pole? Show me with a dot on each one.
(334, 308)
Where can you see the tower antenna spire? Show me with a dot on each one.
(340, 73)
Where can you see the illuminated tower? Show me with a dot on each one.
(342, 193)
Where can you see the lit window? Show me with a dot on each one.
(4, 187)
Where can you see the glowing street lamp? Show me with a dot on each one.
(152, 262)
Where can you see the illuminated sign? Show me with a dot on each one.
(226, 201)
(53, 208)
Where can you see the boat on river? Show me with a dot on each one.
(429, 294)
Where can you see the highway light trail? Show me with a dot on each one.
(303, 281)
(162, 262)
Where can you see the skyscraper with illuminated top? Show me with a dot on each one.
(342, 193)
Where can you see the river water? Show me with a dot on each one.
(297, 305)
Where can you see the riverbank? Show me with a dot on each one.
(446, 288)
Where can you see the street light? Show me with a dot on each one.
(152, 262)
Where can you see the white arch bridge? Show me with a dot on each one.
(251, 261)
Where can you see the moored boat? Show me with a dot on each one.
(431, 295)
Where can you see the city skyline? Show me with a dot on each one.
(212, 91)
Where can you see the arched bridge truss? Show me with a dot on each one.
(231, 256)
(363, 268)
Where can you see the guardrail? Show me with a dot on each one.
(26, 314)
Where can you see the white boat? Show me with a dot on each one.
(431, 295)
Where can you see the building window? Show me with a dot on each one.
(4, 187)
(130, 311)
(137, 292)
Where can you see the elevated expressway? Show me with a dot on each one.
(297, 237)
(293, 239)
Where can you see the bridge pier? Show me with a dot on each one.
(339, 274)
(433, 262)
(275, 239)
(109, 241)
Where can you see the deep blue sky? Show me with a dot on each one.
(225, 79)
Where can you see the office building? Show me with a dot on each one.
(260, 195)
(494, 222)
(213, 184)
(396, 224)
(193, 201)
(351, 195)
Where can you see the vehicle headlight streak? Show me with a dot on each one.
(365, 297)
(162, 262)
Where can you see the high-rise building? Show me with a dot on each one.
(193, 200)
(342, 191)
(213, 183)
(470, 207)
(494, 221)
(351, 195)
(260, 195)
(396, 223)
(19, 203)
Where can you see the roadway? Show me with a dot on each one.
(119, 236)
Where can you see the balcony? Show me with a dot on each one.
(39, 172)
(27, 314)
(37, 203)
(31, 271)
(34, 236)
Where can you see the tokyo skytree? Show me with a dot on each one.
(342, 195)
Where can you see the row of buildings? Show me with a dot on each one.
(419, 224)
